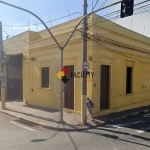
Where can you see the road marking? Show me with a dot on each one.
(147, 115)
(139, 131)
(116, 126)
(22, 126)
(145, 129)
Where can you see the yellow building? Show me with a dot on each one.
(119, 61)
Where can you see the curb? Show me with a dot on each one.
(129, 116)
(74, 127)
(51, 127)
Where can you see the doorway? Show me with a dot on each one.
(104, 86)
(69, 89)
(14, 77)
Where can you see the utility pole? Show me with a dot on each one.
(61, 87)
(84, 59)
(2, 71)
(61, 48)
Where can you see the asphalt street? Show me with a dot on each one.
(129, 134)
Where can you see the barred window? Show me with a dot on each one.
(45, 77)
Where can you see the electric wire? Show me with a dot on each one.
(107, 15)
(95, 5)
(117, 12)
(66, 16)
(104, 46)
(100, 20)
(117, 41)
(41, 23)
(103, 4)
(47, 46)
(42, 33)
(59, 39)
(48, 33)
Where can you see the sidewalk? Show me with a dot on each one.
(49, 118)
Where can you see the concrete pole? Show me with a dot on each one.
(83, 98)
(84, 59)
(61, 88)
(3, 96)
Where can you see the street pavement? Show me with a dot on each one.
(140, 124)
(49, 118)
(128, 134)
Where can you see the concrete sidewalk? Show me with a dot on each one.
(46, 117)
(49, 118)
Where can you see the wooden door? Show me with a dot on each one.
(69, 90)
(104, 90)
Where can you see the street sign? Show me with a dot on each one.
(85, 65)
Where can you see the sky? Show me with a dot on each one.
(15, 21)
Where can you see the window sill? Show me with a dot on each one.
(129, 94)
(105, 109)
(45, 88)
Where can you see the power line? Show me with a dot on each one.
(95, 5)
(118, 42)
(64, 16)
(103, 4)
(47, 46)
(113, 13)
(40, 34)
(116, 51)
(100, 20)
(60, 39)
(41, 23)
(103, 19)
(18, 46)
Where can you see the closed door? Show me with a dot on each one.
(104, 85)
(14, 78)
(69, 90)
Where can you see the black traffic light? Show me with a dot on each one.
(127, 8)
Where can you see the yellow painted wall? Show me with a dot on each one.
(119, 57)
(43, 52)
(51, 58)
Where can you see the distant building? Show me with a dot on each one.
(118, 57)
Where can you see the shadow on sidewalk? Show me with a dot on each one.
(32, 115)
(42, 118)
(41, 108)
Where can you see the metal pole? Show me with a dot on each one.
(75, 28)
(68, 39)
(2, 69)
(36, 17)
(61, 63)
(61, 88)
(84, 59)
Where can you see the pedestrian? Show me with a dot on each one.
(90, 106)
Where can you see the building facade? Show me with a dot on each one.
(119, 74)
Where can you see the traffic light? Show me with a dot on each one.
(127, 8)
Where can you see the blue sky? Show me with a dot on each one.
(54, 9)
